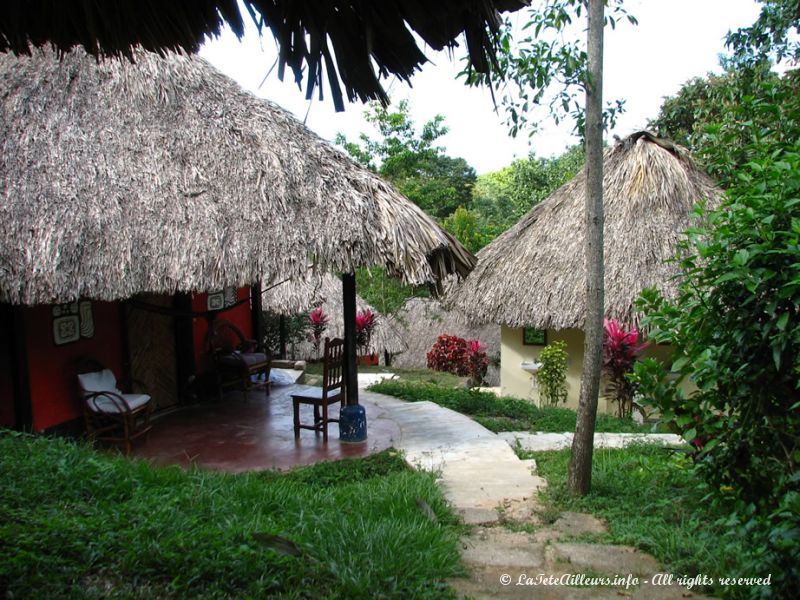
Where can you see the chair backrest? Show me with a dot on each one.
(98, 381)
(224, 337)
(333, 365)
(93, 376)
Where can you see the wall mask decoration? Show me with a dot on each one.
(222, 299)
(72, 321)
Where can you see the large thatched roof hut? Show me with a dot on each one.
(356, 43)
(326, 291)
(164, 176)
(533, 275)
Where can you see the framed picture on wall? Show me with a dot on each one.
(534, 337)
(66, 329)
(216, 301)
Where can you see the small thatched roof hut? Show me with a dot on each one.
(326, 291)
(533, 275)
(165, 176)
(356, 42)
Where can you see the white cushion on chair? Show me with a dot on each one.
(105, 404)
(247, 358)
(98, 381)
(104, 381)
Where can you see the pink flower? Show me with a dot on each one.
(475, 346)
(318, 317)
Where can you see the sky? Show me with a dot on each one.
(674, 41)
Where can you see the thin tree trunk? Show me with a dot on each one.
(580, 466)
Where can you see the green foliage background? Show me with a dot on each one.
(735, 326)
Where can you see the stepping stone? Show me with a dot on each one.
(497, 546)
(574, 524)
(601, 558)
(570, 524)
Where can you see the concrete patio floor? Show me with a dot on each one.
(255, 434)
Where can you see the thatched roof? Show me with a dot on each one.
(534, 275)
(326, 290)
(166, 176)
(357, 42)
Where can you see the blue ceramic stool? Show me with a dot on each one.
(352, 423)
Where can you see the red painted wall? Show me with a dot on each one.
(241, 316)
(52, 369)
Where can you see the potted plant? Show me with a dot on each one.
(319, 323)
(366, 320)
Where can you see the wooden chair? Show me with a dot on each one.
(236, 358)
(331, 392)
(112, 415)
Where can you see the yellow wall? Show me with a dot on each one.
(516, 382)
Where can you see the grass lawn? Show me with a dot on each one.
(413, 375)
(500, 414)
(650, 499)
(75, 523)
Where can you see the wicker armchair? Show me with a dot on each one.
(236, 358)
(112, 415)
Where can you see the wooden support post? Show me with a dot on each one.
(186, 367)
(349, 308)
(23, 407)
(352, 416)
(257, 314)
(125, 339)
(282, 337)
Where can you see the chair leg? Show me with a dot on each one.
(296, 410)
(317, 418)
(325, 422)
(127, 434)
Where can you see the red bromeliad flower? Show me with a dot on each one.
(621, 349)
(318, 317)
(366, 320)
(474, 346)
(319, 323)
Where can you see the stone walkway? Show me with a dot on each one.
(485, 482)
(538, 442)
(480, 474)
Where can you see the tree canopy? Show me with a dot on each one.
(501, 198)
(412, 161)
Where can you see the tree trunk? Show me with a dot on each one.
(580, 466)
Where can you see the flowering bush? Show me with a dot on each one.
(366, 320)
(621, 349)
(319, 323)
(465, 358)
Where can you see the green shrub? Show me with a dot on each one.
(735, 329)
(552, 376)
